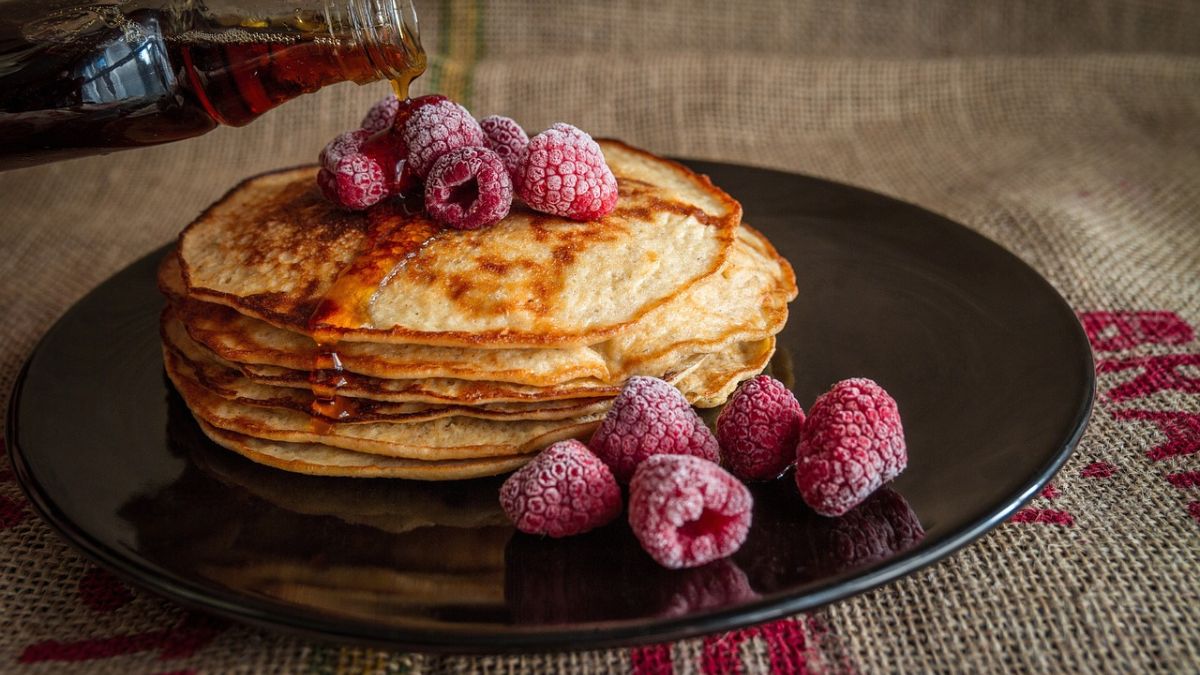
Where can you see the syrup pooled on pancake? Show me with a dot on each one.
(273, 248)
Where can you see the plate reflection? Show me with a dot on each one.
(408, 552)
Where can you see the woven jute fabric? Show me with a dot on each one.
(1069, 132)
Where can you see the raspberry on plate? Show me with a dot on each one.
(564, 174)
(356, 182)
(758, 429)
(565, 490)
(436, 128)
(687, 511)
(650, 417)
(851, 444)
(468, 188)
(507, 139)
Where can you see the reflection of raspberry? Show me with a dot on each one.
(565, 174)
(687, 511)
(851, 444)
(468, 188)
(381, 115)
(879, 528)
(507, 139)
(720, 583)
(650, 417)
(565, 490)
(356, 182)
(437, 128)
(758, 429)
(586, 578)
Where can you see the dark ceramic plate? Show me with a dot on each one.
(991, 370)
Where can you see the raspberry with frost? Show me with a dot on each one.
(758, 429)
(345, 143)
(504, 136)
(468, 188)
(565, 490)
(650, 417)
(687, 511)
(381, 115)
(356, 182)
(564, 174)
(434, 129)
(851, 443)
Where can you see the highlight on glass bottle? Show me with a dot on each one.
(93, 76)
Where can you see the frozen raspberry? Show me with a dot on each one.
(381, 115)
(565, 490)
(851, 444)
(434, 129)
(565, 174)
(384, 147)
(687, 511)
(468, 188)
(410, 105)
(346, 143)
(758, 429)
(356, 182)
(507, 139)
(650, 417)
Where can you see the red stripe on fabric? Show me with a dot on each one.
(1050, 492)
(1194, 511)
(1098, 470)
(194, 632)
(11, 513)
(1159, 373)
(1116, 331)
(652, 660)
(1044, 516)
(1184, 479)
(1182, 430)
(102, 592)
(785, 641)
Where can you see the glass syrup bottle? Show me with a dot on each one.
(81, 77)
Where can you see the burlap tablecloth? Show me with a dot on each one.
(1067, 131)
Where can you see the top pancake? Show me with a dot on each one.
(275, 249)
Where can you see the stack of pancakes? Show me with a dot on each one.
(381, 344)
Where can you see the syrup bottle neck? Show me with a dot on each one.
(385, 32)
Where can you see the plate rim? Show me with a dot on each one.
(449, 638)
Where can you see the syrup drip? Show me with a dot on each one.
(394, 236)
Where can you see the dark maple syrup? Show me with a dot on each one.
(394, 235)
(89, 79)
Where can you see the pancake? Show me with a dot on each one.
(425, 390)
(244, 339)
(322, 460)
(275, 249)
(715, 381)
(710, 315)
(232, 385)
(435, 440)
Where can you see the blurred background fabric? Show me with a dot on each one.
(1068, 131)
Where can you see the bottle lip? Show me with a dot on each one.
(387, 31)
